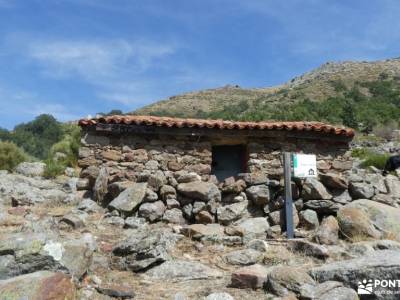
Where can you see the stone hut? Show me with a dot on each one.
(192, 170)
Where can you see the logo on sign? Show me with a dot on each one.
(365, 287)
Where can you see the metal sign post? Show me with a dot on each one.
(288, 195)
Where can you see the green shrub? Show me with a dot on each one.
(53, 168)
(370, 158)
(68, 145)
(376, 160)
(11, 156)
(360, 152)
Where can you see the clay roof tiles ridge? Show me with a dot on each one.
(220, 124)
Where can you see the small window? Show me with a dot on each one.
(228, 161)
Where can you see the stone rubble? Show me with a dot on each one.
(139, 220)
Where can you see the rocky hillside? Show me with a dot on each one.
(57, 243)
(331, 80)
(194, 103)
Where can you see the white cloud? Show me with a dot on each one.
(332, 29)
(94, 60)
(127, 72)
(28, 104)
(118, 70)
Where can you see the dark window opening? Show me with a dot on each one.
(228, 161)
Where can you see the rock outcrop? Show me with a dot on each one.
(369, 219)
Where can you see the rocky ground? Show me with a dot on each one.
(56, 243)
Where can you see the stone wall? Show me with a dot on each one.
(168, 177)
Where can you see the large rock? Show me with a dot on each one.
(185, 177)
(384, 264)
(308, 248)
(334, 181)
(76, 255)
(135, 223)
(198, 231)
(378, 183)
(83, 184)
(129, 199)
(284, 280)
(91, 173)
(230, 186)
(150, 196)
(323, 206)
(254, 178)
(369, 219)
(116, 291)
(113, 155)
(313, 189)
(243, 257)
(309, 219)
(278, 217)
(361, 190)
(156, 181)
(38, 285)
(385, 199)
(180, 270)
(253, 277)
(341, 196)
(393, 185)
(362, 248)
(342, 165)
(100, 188)
(204, 217)
(253, 228)
(259, 194)
(328, 232)
(75, 219)
(31, 168)
(229, 213)
(89, 206)
(327, 290)
(22, 190)
(167, 192)
(199, 190)
(30, 253)
(145, 249)
(118, 187)
(174, 216)
(152, 211)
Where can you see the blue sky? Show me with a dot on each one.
(71, 58)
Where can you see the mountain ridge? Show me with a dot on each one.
(316, 85)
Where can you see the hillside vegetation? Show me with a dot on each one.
(44, 139)
(356, 94)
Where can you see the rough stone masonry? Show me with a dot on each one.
(162, 169)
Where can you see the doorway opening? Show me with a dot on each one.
(228, 161)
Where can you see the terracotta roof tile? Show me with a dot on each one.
(219, 124)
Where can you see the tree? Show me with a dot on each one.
(111, 112)
(36, 137)
(4, 135)
(348, 115)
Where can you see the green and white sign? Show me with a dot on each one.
(304, 165)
